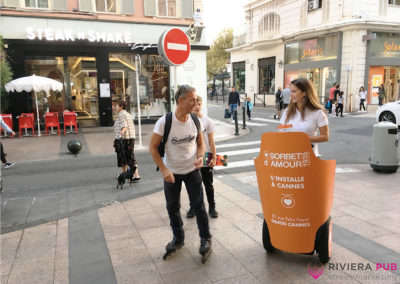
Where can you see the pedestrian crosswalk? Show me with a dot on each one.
(257, 122)
(240, 155)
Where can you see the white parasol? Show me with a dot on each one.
(36, 84)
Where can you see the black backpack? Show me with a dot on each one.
(168, 123)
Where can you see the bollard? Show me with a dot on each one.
(236, 123)
(244, 117)
(254, 104)
(264, 99)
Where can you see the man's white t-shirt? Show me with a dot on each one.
(209, 128)
(181, 146)
(313, 120)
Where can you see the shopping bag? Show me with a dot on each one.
(227, 113)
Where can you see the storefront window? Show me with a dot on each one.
(153, 83)
(266, 70)
(239, 76)
(385, 45)
(317, 49)
(84, 92)
(50, 67)
(322, 79)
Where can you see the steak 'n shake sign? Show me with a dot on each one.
(72, 35)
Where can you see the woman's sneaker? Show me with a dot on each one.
(9, 165)
(213, 213)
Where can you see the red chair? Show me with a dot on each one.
(70, 120)
(26, 120)
(51, 120)
(7, 118)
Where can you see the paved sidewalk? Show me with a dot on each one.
(124, 242)
(96, 141)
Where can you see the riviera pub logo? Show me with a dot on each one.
(315, 269)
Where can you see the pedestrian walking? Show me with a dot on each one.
(184, 150)
(124, 144)
(306, 114)
(286, 97)
(278, 103)
(363, 96)
(3, 155)
(339, 105)
(332, 96)
(207, 170)
(381, 94)
(233, 102)
(249, 107)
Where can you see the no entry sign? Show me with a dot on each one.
(174, 46)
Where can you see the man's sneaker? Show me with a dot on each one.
(9, 165)
(190, 213)
(213, 213)
(174, 245)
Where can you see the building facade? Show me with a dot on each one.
(353, 43)
(99, 49)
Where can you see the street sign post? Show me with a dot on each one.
(174, 48)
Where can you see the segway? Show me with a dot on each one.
(296, 190)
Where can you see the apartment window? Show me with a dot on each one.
(394, 2)
(106, 6)
(314, 5)
(270, 23)
(36, 3)
(166, 8)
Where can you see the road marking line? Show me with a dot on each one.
(240, 122)
(266, 120)
(176, 46)
(238, 164)
(258, 142)
(240, 152)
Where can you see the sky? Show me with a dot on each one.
(220, 14)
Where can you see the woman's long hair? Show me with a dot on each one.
(362, 89)
(311, 98)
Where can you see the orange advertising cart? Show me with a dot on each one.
(296, 190)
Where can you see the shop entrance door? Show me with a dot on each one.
(84, 92)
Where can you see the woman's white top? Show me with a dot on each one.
(313, 120)
(363, 95)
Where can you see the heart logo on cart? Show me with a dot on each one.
(315, 271)
(288, 202)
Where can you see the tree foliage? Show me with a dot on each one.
(5, 74)
(217, 56)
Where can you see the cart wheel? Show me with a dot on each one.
(324, 242)
(266, 240)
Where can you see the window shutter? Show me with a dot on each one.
(59, 5)
(150, 8)
(127, 7)
(187, 9)
(85, 5)
(11, 3)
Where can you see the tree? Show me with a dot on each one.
(5, 75)
(217, 56)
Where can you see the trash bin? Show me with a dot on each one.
(385, 144)
(296, 191)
